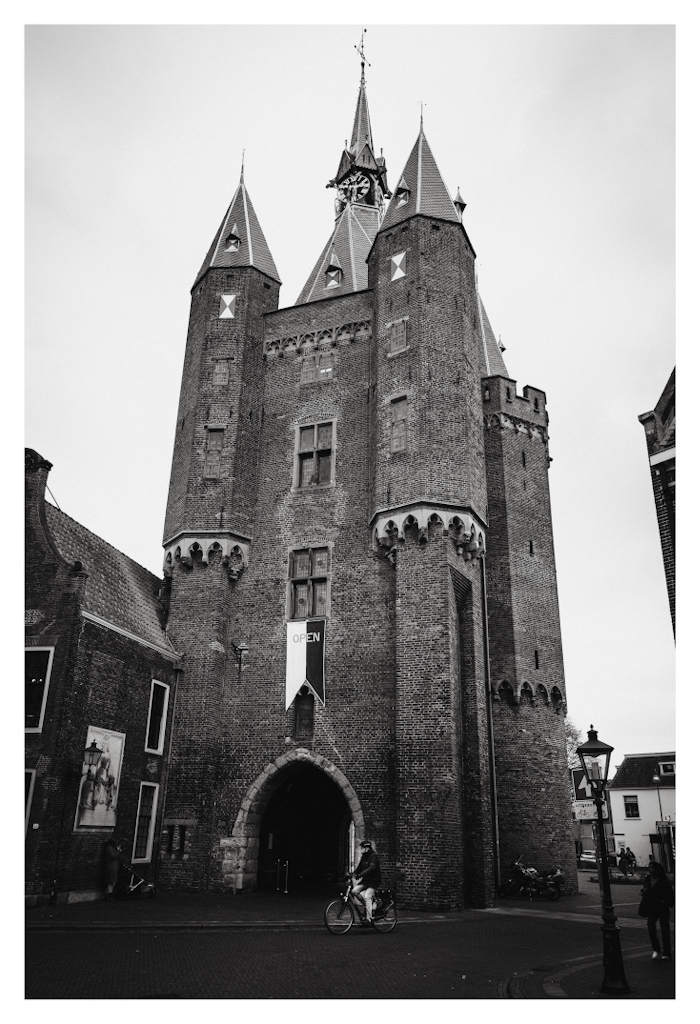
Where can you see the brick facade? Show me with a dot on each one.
(445, 741)
(364, 453)
(101, 677)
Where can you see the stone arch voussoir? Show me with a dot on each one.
(240, 849)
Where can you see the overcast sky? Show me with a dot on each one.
(561, 141)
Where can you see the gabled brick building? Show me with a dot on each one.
(360, 562)
(660, 432)
(100, 677)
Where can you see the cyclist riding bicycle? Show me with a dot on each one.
(367, 876)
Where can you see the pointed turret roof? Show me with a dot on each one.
(361, 128)
(421, 189)
(491, 362)
(346, 249)
(240, 241)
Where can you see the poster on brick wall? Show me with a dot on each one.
(99, 781)
(306, 642)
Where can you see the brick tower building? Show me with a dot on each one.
(358, 547)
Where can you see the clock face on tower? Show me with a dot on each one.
(355, 187)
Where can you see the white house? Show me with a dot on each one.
(643, 805)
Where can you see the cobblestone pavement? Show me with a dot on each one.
(263, 946)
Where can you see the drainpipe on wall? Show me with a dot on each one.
(489, 726)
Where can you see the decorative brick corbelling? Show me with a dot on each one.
(323, 339)
(187, 548)
(501, 421)
(466, 530)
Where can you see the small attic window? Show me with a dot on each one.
(667, 767)
(334, 272)
(233, 240)
(403, 193)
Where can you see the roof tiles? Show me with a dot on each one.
(427, 192)
(118, 589)
(350, 243)
(240, 241)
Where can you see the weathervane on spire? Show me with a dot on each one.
(361, 50)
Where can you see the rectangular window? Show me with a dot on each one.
(398, 424)
(397, 336)
(325, 366)
(667, 768)
(221, 371)
(37, 672)
(29, 776)
(631, 807)
(308, 370)
(308, 570)
(157, 717)
(145, 822)
(212, 462)
(315, 455)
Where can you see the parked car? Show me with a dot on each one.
(587, 857)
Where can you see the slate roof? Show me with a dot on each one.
(428, 192)
(350, 243)
(361, 128)
(242, 221)
(117, 588)
(637, 772)
(491, 364)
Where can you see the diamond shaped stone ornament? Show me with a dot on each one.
(227, 307)
(398, 266)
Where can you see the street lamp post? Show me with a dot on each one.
(591, 753)
(657, 780)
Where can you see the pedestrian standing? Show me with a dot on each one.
(622, 861)
(631, 861)
(657, 900)
(110, 861)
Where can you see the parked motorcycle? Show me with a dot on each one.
(530, 883)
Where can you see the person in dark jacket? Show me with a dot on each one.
(110, 862)
(658, 893)
(367, 876)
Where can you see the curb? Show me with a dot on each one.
(514, 987)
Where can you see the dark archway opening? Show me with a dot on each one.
(305, 825)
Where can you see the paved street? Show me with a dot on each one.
(246, 949)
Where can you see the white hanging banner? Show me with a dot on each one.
(305, 658)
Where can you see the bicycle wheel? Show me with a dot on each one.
(552, 893)
(338, 917)
(386, 920)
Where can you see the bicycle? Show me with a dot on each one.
(340, 915)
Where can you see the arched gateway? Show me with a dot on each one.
(303, 805)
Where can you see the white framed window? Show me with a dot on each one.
(29, 777)
(145, 823)
(667, 767)
(157, 717)
(37, 673)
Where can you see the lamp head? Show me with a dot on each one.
(595, 760)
